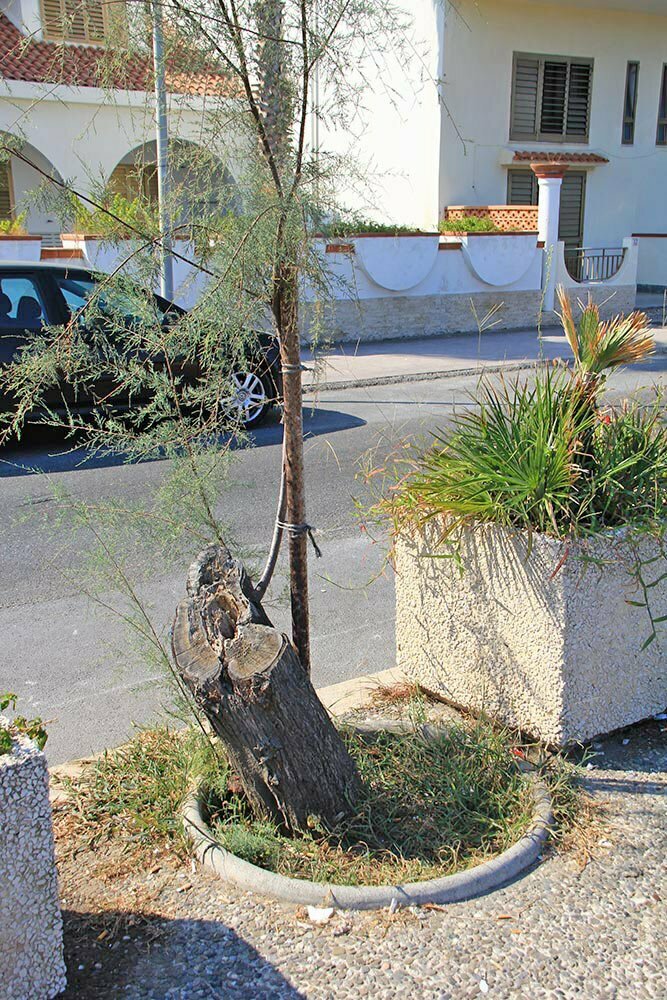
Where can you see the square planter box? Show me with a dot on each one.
(544, 640)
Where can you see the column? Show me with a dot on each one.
(549, 181)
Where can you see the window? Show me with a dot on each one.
(521, 187)
(662, 110)
(21, 305)
(630, 103)
(74, 20)
(551, 98)
(6, 200)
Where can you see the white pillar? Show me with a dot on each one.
(550, 182)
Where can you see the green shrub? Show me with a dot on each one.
(356, 225)
(13, 227)
(469, 224)
(136, 213)
(543, 456)
(19, 726)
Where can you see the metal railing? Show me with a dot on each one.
(593, 264)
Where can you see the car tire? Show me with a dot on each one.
(253, 398)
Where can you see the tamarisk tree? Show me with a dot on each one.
(258, 249)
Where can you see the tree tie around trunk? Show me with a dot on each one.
(294, 530)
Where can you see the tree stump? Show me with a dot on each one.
(248, 680)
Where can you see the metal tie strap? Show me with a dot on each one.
(299, 529)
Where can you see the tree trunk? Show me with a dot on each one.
(248, 680)
(285, 310)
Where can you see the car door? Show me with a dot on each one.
(26, 309)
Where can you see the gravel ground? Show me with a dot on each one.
(563, 930)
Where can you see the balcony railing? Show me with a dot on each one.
(593, 264)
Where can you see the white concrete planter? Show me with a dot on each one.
(542, 640)
(31, 934)
(27, 248)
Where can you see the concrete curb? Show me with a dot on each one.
(455, 888)
(360, 383)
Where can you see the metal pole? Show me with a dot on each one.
(162, 139)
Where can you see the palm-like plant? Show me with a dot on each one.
(600, 345)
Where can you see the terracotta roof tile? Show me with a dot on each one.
(22, 58)
(539, 156)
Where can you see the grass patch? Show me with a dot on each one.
(429, 807)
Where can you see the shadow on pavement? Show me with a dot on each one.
(44, 450)
(114, 954)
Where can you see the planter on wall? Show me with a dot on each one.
(22, 247)
(31, 935)
(542, 639)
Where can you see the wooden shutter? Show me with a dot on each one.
(521, 187)
(578, 99)
(52, 15)
(5, 191)
(525, 87)
(74, 20)
(95, 18)
(571, 227)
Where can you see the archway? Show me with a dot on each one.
(19, 182)
(201, 187)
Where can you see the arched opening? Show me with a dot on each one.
(201, 188)
(19, 183)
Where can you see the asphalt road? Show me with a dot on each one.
(72, 661)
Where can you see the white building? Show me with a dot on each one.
(497, 84)
(81, 118)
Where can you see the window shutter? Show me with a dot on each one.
(5, 191)
(95, 16)
(554, 90)
(524, 103)
(52, 14)
(521, 187)
(74, 20)
(572, 209)
(578, 99)
(661, 138)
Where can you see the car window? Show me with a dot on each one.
(21, 303)
(121, 304)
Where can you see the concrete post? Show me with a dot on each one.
(550, 181)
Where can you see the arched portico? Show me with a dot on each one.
(19, 182)
(201, 186)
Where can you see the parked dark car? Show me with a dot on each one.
(35, 295)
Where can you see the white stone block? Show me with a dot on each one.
(31, 934)
(544, 640)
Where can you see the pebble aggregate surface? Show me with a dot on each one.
(560, 931)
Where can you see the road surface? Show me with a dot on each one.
(72, 662)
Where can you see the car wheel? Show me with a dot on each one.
(251, 400)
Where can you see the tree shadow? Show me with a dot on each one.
(113, 954)
(46, 450)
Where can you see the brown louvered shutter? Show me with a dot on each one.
(52, 14)
(525, 87)
(521, 187)
(95, 19)
(5, 191)
(578, 99)
(75, 22)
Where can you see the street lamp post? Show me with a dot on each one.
(162, 139)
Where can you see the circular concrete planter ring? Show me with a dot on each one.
(449, 889)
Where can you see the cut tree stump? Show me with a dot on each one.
(247, 679)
